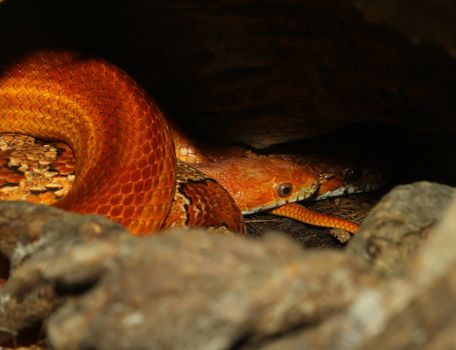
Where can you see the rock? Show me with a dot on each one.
(426, 319)
(413, 311)
(266, 78)
(30, 236)
(399, 224)
(213, 291)
(100, 288)
(421, 21)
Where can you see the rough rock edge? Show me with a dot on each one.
(27, 232)
(399, 224)
(412, 309)
(375, 311)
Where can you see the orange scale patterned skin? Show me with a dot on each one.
(188, 209)
(138, 187)
(127, 188)
(116, 211)
(255, 183)
(87, 103)
(139, 198)
(128, 211)
(115, 199)
(300, 213)
(125, 157)
(103, 209)
(146, 172)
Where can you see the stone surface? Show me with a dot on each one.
(213, 290)
(29, 236)
(413, 311)
(399, 224)
(426, 319)
(198, 291)
(100, 288)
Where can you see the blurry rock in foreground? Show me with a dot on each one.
(100, 288)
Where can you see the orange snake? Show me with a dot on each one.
(125, 155)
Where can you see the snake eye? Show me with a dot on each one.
(352, 174)
(284, 190)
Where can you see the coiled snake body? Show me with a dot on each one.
(125, 156)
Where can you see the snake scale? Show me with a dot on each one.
(125, 151)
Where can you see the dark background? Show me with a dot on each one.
(267, 72)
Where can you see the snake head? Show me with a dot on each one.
(263, 182)
(339, 177)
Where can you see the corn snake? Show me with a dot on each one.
(125, 154)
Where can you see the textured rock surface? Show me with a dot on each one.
(425, 318)
(414, 311)
(100, 288)
(29, 234)
(197, 291)
(399, 224)
(211, 290)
